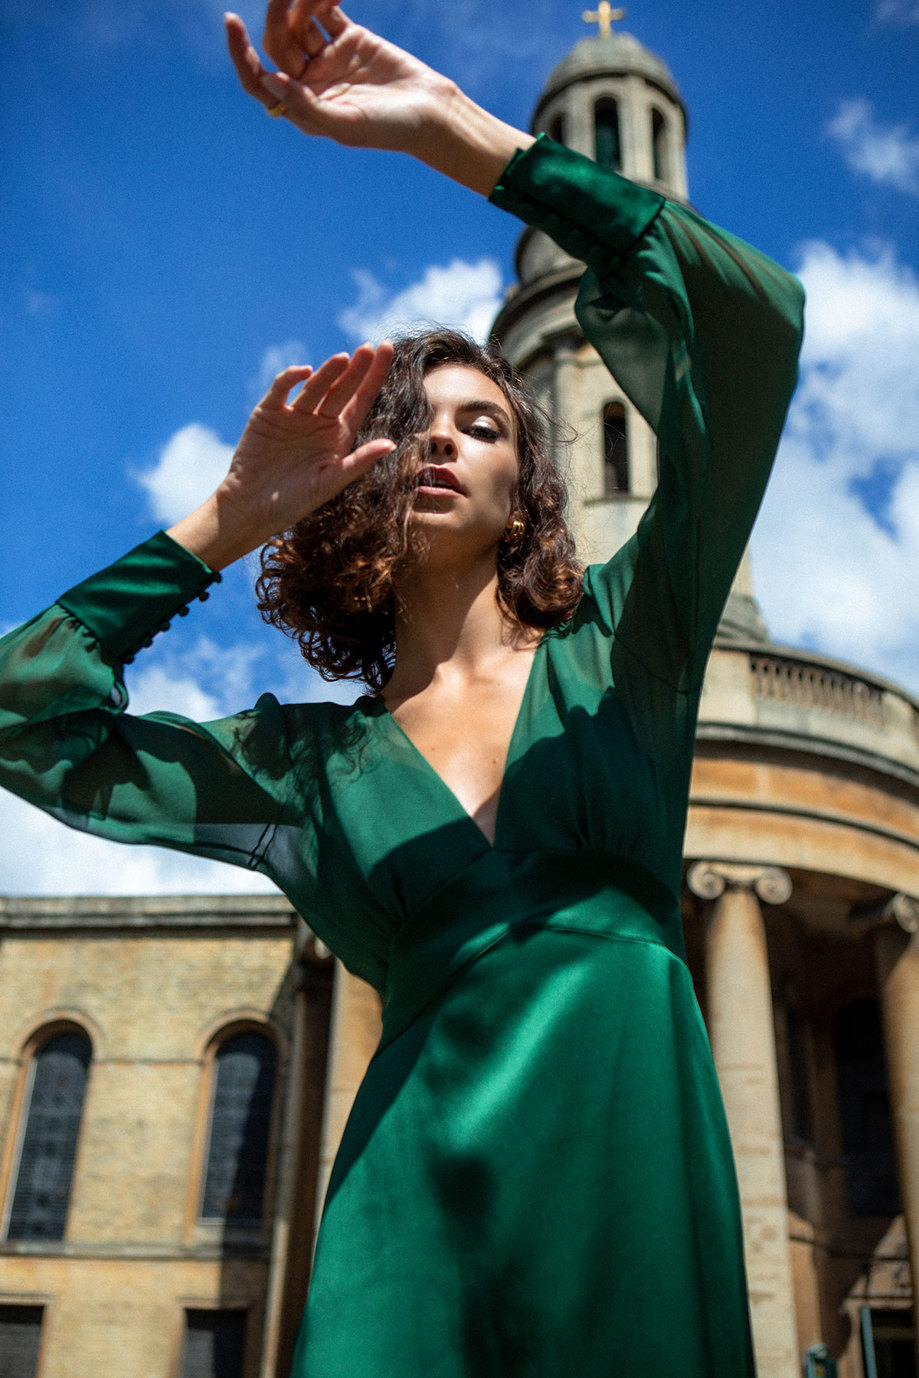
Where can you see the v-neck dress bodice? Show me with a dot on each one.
(537, 1167)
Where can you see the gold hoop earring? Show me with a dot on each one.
(514, 531)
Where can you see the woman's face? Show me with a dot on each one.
(465, 489)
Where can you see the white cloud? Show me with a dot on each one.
(465, 296)
(172, 681)
(190, 465)
(156, 691)
(887, 153)
(276, 358)
(897, 11)
(39, 856)
(836, 569)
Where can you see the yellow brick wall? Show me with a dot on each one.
(133, 1258)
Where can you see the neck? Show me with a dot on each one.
(448, 626)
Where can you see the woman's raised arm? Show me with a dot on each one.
(340, 80)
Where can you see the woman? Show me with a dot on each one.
(536, 1178)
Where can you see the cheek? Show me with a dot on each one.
(508, 478)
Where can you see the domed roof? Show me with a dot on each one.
(612, 54)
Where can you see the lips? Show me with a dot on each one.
(438, 477)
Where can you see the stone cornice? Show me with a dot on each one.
(93, 913)
(806, 745)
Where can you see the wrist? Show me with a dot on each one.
(466, 142)
(215, 533)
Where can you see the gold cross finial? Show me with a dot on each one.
(603, 15)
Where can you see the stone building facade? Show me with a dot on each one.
(175, 1073)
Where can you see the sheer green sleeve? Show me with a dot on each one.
(702, 332)
(68, 746)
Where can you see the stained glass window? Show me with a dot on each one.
(53, 1109)
(244, 1071)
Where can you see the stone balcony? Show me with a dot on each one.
(810, 764)
(781, 697)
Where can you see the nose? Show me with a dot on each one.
(440, 440)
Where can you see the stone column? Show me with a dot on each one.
(742, 1033)
(898, 978)
(353, 1037)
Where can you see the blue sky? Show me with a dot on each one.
(165, 248)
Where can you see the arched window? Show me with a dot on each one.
(606, 133)
(659, 146)
(52, 1112)
(864, 1111)
(556, 128)
(615, 450)
(242, 1095)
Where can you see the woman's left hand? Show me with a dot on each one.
(351, 86)
(344, 82)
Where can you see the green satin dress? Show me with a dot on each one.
(536, 1179)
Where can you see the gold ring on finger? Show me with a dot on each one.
(276, 111)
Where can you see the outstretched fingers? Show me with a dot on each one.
(247, 62)
(284, 383)
(365, 393)
(280, 40)
(334, 20)
(320, 385)
(347, 393)
(302, 24)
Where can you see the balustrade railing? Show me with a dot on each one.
(808, 685)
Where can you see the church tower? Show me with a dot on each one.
(614, 100)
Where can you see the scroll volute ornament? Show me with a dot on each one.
(905, 909)
(708, 880)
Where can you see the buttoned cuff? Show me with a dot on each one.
(127, 603)
(590, 211)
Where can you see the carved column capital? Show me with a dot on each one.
(710, 879)
(905, 910)
(314, 951)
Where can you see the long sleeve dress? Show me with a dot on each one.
(536, 1179)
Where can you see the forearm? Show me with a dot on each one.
(68, 746)
(466, 143)
(213, 535)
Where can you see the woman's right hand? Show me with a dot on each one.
(292, 457)
(356, 88)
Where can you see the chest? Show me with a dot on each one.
(464, 733)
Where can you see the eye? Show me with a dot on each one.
(482, 430)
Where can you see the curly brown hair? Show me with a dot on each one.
(328, 582)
